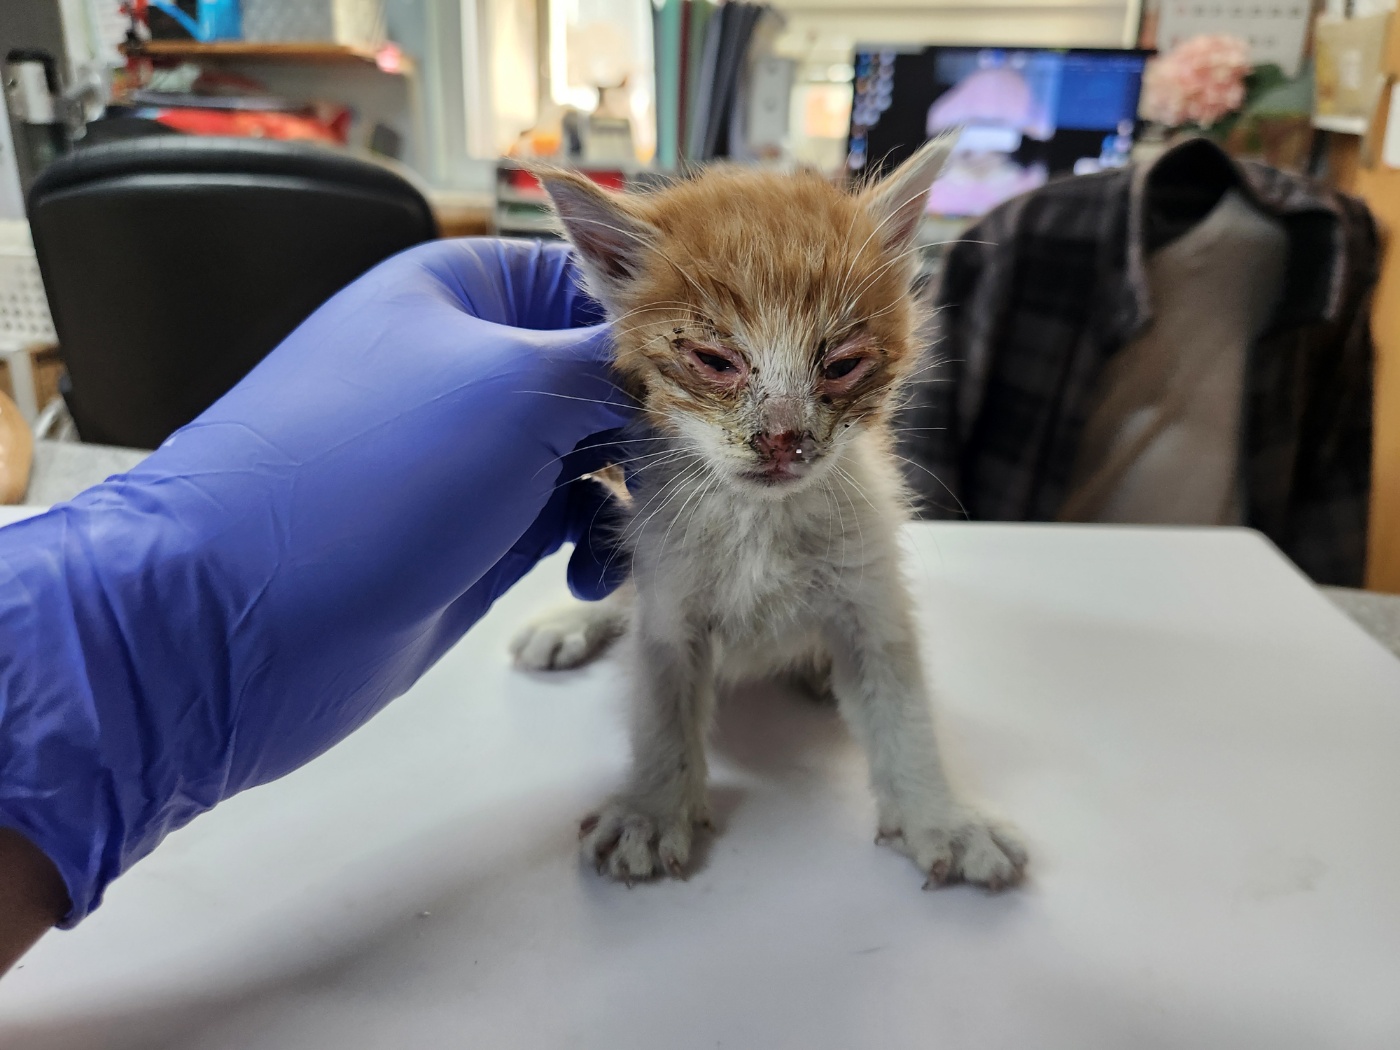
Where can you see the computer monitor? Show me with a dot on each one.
(1027, 114)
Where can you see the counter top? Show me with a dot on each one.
(1198, 748)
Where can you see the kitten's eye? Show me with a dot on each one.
(717, 366)
(714, 362)
(844, 367)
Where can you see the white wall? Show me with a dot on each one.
(11, 197)
(826, 31)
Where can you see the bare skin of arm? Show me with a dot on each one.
(32, 896)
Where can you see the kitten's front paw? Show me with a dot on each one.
(961, 847)
(631, 840)
(567, 637)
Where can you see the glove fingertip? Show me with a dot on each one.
(595, 573)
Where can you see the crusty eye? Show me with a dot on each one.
(844, 367)
(714, 362)
(718, 366)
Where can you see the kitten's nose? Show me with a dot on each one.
(786, 448)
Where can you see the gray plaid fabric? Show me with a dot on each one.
(1042, 292)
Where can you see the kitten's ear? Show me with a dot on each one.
(611, 239)
(897, 202)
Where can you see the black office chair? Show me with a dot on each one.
(173, 265)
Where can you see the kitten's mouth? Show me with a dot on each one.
(774, 475)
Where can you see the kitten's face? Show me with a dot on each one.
(764, 319)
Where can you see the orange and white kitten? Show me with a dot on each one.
(765, 323)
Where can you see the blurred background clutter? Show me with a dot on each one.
(1158, 252)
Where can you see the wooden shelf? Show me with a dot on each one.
(243, 51)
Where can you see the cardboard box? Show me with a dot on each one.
(1351, 57)
(46, 368)
(1391, 61)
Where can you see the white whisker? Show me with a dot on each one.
(572, 397)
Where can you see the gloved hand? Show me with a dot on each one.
(299, 555)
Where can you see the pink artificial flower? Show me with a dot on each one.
(1200, 81)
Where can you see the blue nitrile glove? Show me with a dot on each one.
(299, 555)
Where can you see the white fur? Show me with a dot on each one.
(571, 635)
(729, 587)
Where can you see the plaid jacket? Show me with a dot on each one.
(1043, 291)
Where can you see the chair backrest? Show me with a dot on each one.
(173, 265)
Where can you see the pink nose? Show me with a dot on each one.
(784, 449)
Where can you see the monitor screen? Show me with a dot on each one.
(1027, 114)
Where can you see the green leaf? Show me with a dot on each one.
(1279, 95)
(1264, 78)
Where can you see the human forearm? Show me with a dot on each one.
(32, 896)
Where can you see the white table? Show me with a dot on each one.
(1203, 753)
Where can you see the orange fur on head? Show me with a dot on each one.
(757, 311)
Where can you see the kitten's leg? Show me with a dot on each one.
(648, 828)
(573, 634)
(879, 683)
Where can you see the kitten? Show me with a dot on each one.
(766, 324)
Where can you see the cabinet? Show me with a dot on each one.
(1379, 186)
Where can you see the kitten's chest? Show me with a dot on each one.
(741, 565)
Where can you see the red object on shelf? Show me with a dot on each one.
(254, 124)
(522, 181)
(609, 180)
